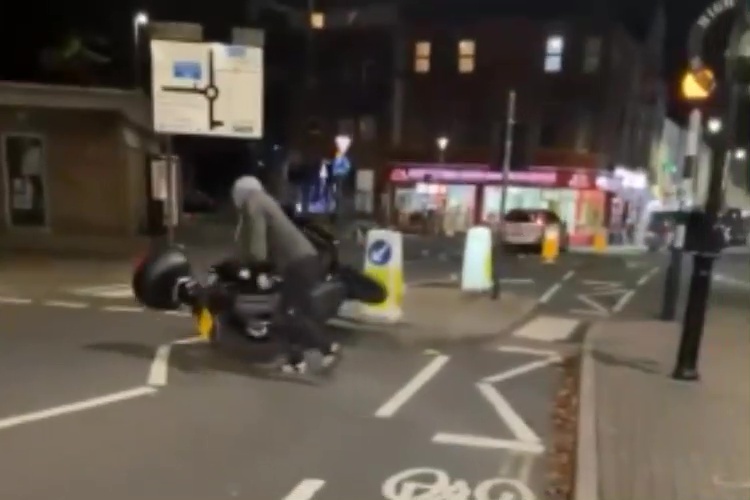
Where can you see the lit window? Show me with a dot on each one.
(553, 55)
(317, 20)
(422, 53)
(466, 54)
(592, 55)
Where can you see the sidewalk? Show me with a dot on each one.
(612, 250)
(654, 438)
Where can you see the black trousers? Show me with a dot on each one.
(294, 323)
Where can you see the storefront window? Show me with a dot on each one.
(518, 197)
(590, 211)
(424, 207)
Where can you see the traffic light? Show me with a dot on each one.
(698, 85)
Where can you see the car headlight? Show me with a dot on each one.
(264, 281)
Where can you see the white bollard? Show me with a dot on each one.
(384, 262)
(476, 272)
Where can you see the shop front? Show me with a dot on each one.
(439, 200)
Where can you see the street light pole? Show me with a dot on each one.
(510, 120)
(140, 19)
(686, 367)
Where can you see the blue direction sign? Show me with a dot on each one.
(380, 252)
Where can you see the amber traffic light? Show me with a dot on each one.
(698, 85)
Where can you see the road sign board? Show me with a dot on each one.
(380, 252)
(208, 89)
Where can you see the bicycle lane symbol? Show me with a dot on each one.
(434, 484)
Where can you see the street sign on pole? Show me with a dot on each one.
(207, 89)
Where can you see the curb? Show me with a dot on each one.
(587, 472)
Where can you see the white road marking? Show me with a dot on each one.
(306, 489)
(520, 370)
(485, 442)
(402, 396)
(530, 350)
(547, 328)
(113, 291)
(620, 305)
(159, 370)
(65, 304)
(86, 404)
(595, 307)
(728, 280)
(189, 340)
(15, 300)
(182, 314)
(650, 274)
(517, 281)
(521, 431)
(127, 309)
(551, 291)
(568, 275)
(600, 283)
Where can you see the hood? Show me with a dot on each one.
(243, 189)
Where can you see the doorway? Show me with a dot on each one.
(25, 176)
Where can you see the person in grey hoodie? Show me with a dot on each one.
(265, 233)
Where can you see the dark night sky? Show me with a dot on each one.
(34, 24)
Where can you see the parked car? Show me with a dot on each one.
(524, 228)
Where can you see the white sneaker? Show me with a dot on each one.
(294, 369)
(332, 357)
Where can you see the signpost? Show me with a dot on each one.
(205, 89)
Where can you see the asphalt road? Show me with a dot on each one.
(89, 410)
(78, 419)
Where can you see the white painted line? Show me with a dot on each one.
(568, 275)
(728, 280)
(189, 340)
(65, 304)
(644, 279)
(114, 291)
(547, 329)
(517, 281)
(602, 283)
(305, 490)
(551, 291)
(86, 404)
(181, 314)
(128, 309)
(546, 353)
(485, 442)
(589, 312)
(14, 300)
(159, 370)
(596, 307)
(402, 396)
(520, 370)
(627, 297)
(508, 415)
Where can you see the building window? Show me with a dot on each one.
(553, 55)
(317, 20)
(466, 56)
(592, 54)
(422, 53)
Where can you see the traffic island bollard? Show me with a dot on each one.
(384, 263)
(550, 245)
(476, 270)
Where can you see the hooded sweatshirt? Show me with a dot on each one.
(264, 231)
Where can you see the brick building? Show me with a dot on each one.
(588, 92)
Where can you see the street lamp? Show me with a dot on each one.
(740, 154)
(442, 144)
(140, 20)
(714, 125)
(343, 142)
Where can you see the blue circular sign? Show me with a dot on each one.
(380, 252)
